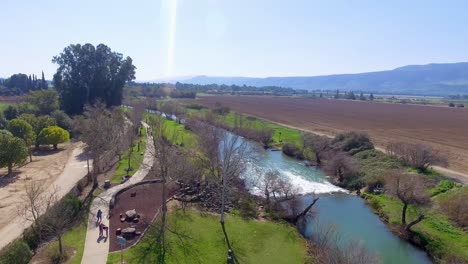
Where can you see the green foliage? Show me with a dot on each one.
(203, 241)
(442, 187)
(135, 160)
(195, 106)
(292, 150)
(5, 132)
(10, 112)
(53, 135)
(17, 252)
(45, 101)
(373, 164)
(352, 142)
(442, 238)
(13, 151)
(87, 74)
(62, 119)
(21, 129)
(247, 208)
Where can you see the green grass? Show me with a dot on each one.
(281, 134)
(73, 240)
(176, 133)
(443, 237)
(135, 161)
(252, 241)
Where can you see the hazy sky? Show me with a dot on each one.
(236, 37)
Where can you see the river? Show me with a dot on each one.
(349, 214)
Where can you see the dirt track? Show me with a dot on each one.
(444, 128)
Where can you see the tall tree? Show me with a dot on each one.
(12, 151)
(22, 129)
(43, 82)
(86, 74)
(46, 101)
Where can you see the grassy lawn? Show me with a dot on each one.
(135, 161)
(176, 133)
(252, 241)
(442, 236)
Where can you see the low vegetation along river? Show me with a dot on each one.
(352, 218)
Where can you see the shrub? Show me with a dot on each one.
(17, 252)
(442, 187)
(455, 206)
(292, 150)
(451, 104)
(195, 106)
(460, 105)
(247, 208)
(352, 142)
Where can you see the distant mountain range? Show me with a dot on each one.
(431, 79)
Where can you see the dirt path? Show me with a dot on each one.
(455, 175)
(61, 170)
(443, 128)
(96, 249)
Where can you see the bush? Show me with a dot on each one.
(352, 142)
(31, 238)
(442, 187)
(17, 252)
(455, 206)
(195, 106)
(451, 105)
(460, 105)
(247, 208)
(292, 150)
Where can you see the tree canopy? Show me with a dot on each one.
(45, 101)
(12, 151)
(21, 129)
(87, 74)
(53, 135)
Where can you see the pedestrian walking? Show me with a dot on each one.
(99, 215)
(101, 228)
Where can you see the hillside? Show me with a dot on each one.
(430, 79)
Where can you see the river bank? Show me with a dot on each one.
(436, 234)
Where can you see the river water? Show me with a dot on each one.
(349, 215)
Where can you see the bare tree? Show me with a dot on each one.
(327, 247)
(58, 219)
(340, 166)
(320, 145)
(223, 157)
(418, 156)
(409, 189)
(264, 135)
(34, 203)
(456, 206)
(103, 132)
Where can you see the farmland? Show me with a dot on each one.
(446, 129)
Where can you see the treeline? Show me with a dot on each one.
(187, 90)
(21, 83)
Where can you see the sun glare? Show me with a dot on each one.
(171, 39)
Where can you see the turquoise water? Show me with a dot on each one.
(352, 218)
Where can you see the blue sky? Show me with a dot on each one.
(237, 37)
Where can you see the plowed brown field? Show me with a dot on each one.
(444, 128)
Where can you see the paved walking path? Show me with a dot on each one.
(75, 169)
(95, 250)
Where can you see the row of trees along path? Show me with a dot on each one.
(94, 252)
